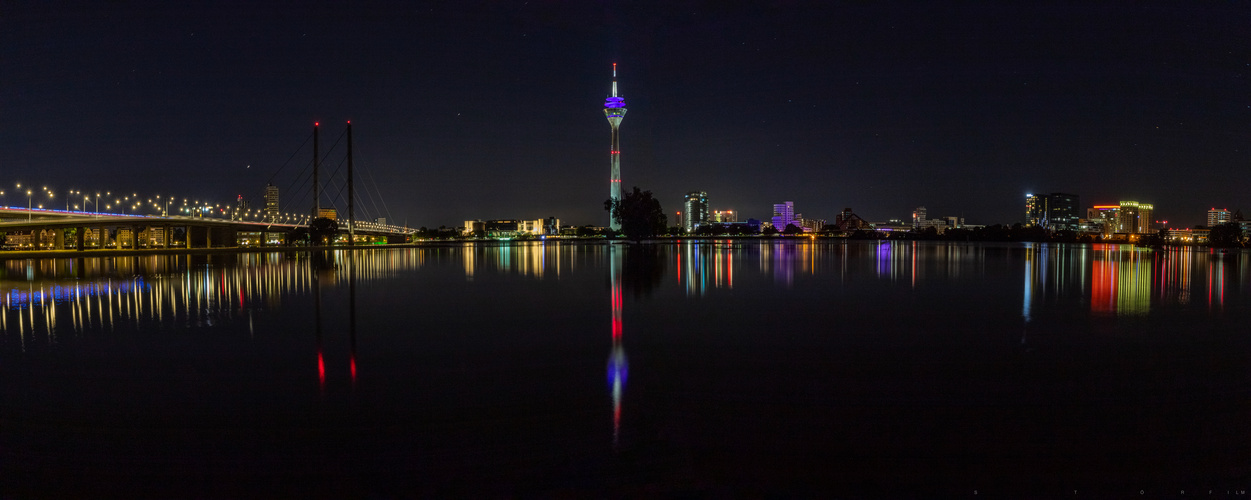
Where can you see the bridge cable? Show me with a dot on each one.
(284, 164)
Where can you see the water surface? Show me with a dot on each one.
(706, 367)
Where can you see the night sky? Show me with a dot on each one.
(495, 110)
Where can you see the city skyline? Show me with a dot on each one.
(962, 109)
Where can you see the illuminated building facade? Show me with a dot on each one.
(696, 205)
(1035, 210)
(783, 215)
(615, 110)
(1055, 211)
(271, 203)
(1187, 235)
(508, 228)
(1219, 216)
(1105, 217)
(1134, 217)
(918, 217)
(812, 224)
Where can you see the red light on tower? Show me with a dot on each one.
(316, 124)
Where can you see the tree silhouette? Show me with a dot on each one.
(1228, 234)
(322, 230)
(638, 213)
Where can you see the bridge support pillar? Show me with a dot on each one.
(134, 237)
(208, 237)
(187, 236)
(59, 239)
(165, 236)
(81, 238)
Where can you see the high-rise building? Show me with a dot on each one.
(615, 110)
(1062, 211)
(1219, 216)
(271, 203)
(918, 217)
(783, 215)
(1055, 211)
(696, 210)
(1134, 217)
(1035, 210)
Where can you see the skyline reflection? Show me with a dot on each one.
(481, 364)
(51, 297)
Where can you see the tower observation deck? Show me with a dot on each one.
(615, 110)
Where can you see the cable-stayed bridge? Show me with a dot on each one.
(203, 225)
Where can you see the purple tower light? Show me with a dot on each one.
(615, 110)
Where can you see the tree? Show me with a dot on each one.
(638, 213)
(793, 229)
(322, 230)
(1228, 234)
(297, 236)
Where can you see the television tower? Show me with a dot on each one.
(615, 110)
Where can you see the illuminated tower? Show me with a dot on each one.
(615, 110)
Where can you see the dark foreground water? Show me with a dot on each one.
(712, 368)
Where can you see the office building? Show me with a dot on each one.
(271, 203)
(1219, 216)
(1134, 217)
(1104, 217)
(724, 216)
(1062, 211)
(918, 217)
(509, 228)
(696, 206)
(783, 215)
(1055, 211)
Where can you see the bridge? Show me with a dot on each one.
(199, 226)
(40, 229)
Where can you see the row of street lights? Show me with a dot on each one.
(158, 204)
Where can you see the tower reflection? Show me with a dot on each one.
(618, 366)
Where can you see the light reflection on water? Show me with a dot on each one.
(448, 329)
(43, 295)
(46, 295)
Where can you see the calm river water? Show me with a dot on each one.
(707, 368)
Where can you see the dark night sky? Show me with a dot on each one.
(494, 110)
